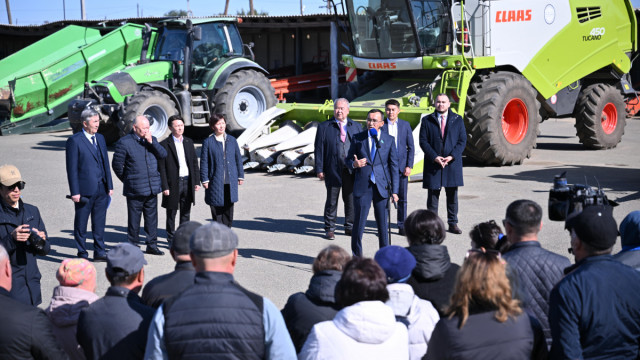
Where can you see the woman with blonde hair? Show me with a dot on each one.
(483, 320)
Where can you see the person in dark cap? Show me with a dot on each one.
(419, 315)
(165, 286)
(630, 240)
(115, 327)
(223, 318)
(594, 311)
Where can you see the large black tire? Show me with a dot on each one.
(245, 95)
(155, 105)
(502, 119)
(600, 116)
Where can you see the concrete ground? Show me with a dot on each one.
(279, 216)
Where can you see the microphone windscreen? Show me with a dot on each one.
(373, 132)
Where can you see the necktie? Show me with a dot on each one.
(443, 121)
(93, 140)
(343, 133)
(373, 159)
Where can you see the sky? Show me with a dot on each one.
(37, 12)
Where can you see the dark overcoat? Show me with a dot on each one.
(327, 155)
(433, 145)
(170, 172)
(212, 169)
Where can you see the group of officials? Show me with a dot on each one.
(373, 166)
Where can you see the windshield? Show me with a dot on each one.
(209, 50)
(171, 45)
(387, 28)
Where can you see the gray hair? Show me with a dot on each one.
(3, 253)
(338, 100)
(87, 114)
(137, 119)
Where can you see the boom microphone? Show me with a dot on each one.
(374, 134)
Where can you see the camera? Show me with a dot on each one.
(566, 199)
(35, 240)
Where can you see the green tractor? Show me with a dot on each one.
(190, 67)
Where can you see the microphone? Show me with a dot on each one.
(83, 199)
(374, 134)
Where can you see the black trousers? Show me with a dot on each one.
(331, 203)
(96, 208)
(224, 214)
(433, 197)
(147, 206)
(184, 205)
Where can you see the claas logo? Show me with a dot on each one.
(513, 16)
(389, 66)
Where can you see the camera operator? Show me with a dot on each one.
(23, 234)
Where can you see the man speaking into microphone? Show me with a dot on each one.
(374, 159)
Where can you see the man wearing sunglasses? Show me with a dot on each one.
(23, 235)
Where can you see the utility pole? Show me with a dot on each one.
(301, 8)
(8, 12)
(84, 14)
(137, 9)
(251, 11)
(64, 10)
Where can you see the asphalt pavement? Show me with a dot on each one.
(279, 216)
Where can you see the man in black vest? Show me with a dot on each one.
(222, 316)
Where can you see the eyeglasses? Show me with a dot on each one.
(482, 250)
(19, 185)
(505, 222)
(373, 120)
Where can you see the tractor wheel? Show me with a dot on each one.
(502, 119)
(155, 105)
(245, 95)
(600, 116)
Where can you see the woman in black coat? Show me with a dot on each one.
(484, 321)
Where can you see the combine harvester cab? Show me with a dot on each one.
(34, 93)
(505, 65)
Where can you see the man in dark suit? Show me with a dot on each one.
(332, 143)
(401, 131)
(90, 184)
(135, 162)
(375, 163)
(179, 174)
(443, 138)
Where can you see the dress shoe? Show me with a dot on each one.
(401, 231)
(152, 250)
(99, 258)
(330, 235)
(83, 256)
(347, 232)
(454, 229)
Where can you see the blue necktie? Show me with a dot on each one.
(93, 140)
(373, 159)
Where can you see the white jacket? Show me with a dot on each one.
(366, 330)
(421, 316)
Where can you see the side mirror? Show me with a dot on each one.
(197, 33)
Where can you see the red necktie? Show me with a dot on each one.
(443, 122)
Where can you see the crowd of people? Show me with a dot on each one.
(510, 298)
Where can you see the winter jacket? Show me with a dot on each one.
(538, 271)
(595, 311)
(484, 337)
(318, 303)
(135, 163)
(26, 332)
(419, 316)
(433, 145)
(434, 275)
(629, 257)
(212, 169)
(25, 277)
(64, 311)
(365, 330)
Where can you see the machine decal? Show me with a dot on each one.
(513, 15)
(389, 65)
(594, 34)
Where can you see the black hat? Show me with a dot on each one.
(180, 244)
(595, 226)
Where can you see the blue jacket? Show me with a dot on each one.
(327, 156)
(385, 166)
(433, 145)
(136, 165)
(85, 167)
(212, 169)
(25, 284)
(404, 144)
(595, 311)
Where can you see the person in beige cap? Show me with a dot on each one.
(23, 234)
(216, 316)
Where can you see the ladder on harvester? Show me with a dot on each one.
(455, 83)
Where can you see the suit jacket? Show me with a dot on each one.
(85, 166)
(170, 172)
(404, 143)
(328, 160)
(433, 145)
(212, 169)
(136, 165)
(385, 165)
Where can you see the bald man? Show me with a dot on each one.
(135, 163)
